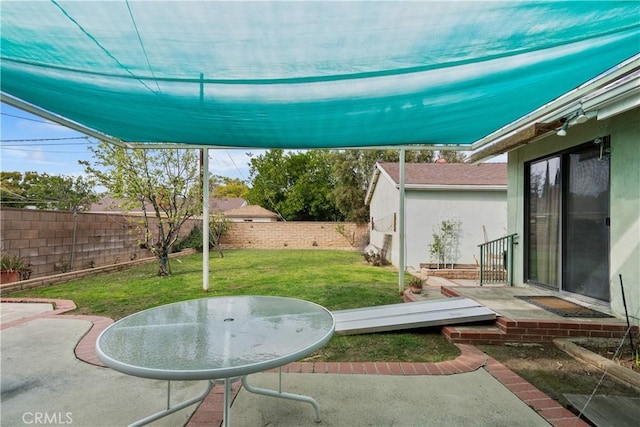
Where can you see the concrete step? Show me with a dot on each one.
(475, 335)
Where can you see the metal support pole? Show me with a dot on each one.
(401, 228)
(482, 265)
(205, 219)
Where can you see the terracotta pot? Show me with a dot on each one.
(9, 276)
(416, 290)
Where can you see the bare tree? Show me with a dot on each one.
(164, 184)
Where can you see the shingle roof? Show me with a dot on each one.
(216, 204)
(109, 204)
(224, 204)
(248, 211)
(448, 173)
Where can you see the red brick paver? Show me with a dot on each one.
(210, 410)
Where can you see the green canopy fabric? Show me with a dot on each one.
(306, 74)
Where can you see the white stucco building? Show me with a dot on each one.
(472, 196)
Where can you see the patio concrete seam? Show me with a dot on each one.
(85, 350)
(60, 306)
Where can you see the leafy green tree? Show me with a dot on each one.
(452, 156)
(222, 186)
(297, 185)
(46, 191)
(165, 184)
(11, 189)
(353, 169)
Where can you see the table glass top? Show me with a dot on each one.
(215, 337)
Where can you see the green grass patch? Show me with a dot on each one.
(336, 280)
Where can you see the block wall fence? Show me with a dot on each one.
(54, 242)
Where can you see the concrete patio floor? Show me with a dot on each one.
(45, 371)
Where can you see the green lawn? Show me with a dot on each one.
(334, 279)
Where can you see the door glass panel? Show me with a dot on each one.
(544, 222)
(586, 243)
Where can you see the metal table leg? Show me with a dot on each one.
(227, 405)
(284, 395)
(172, 409)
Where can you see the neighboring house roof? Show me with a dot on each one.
(443, 176)
(216, 204)
(250, 211)
(448, 173)
(110, 205)
(224, 204)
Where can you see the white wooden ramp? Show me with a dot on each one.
(446, 311)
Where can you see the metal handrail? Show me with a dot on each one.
(496, 260)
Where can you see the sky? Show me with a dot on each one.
(32, 144)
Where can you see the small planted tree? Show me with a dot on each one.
(218, 227)
(445, 242)
(164, 184)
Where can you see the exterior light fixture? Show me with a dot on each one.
(578, 117)
(581, 117)
(563, 129)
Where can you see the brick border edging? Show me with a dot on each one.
(210, 410)
(553, 412)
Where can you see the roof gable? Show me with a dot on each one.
(224, 204)
(253, 211)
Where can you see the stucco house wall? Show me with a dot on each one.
(383, 209)
(624, 256)
(474, 209)
(425, 209)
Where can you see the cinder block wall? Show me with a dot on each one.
(46, 238)
(296, 235)
(54, 242)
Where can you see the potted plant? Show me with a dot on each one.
(11, 267)
(416, 284)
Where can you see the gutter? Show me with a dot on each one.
(455, 187)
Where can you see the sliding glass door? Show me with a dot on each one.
(567, 213)
(586, 237)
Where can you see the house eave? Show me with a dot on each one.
(602, 97)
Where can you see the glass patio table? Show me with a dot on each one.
(220, 338)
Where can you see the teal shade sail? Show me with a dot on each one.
(306, 74)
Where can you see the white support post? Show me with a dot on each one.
(205, 219)
(401, 223)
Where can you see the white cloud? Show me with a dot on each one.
(45, 128)
(232, 163)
